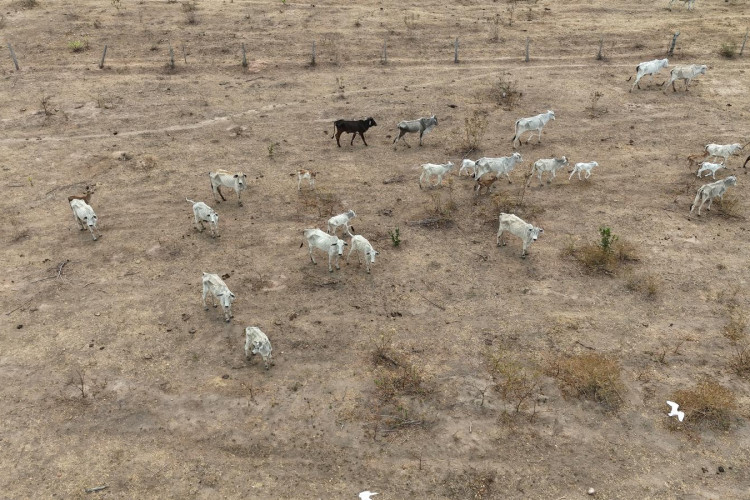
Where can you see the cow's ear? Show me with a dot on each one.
(231, 294)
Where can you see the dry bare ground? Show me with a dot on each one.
(456, 369)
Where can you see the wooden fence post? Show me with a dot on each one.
(184, 54)
(455, 54)
(527, 49)
(104, 54)
(599, 55)
(13, 56)
(384, 56)
(674, 42)
(244, 57)
(744, 41)
(312, 62)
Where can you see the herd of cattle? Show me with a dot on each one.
(485, 171)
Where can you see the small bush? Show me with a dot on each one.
(740, 361)
(474, 129)
(605, 256)
(729, 206)
(515, 383)
(469, 484)
(728, 50)
(734, 330)
(395, 236)
(505, 93)
(591, 376)
(708, 404)
(78, 45)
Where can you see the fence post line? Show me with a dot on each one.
(13, 56)
(674, 42)
(104, 54)
(744, 41)
(527, 49)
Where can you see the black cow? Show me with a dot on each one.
(353, 127)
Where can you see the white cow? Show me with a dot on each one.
(256, 342)
(686, 73)
(467, 164)
(237, 181)
(551, 165)
(583, 167)
(501, 166)
(421, 125)
(83, 213)
(360, 245)
(517, 227)
(204, 213)
(341, 220)
(330, 244)
(708, 192)
(710, 167)
(648, 68)
(218, 289)
(686, 3)
(722, 150)
(308, 175)
(532, 124)
(430, 169)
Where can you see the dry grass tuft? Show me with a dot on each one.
(505, 93)
(740, 361)
(469, 484)
(396, 375)
(606, 256)
(591, 376)
(647, 284)
(734, 330)
(708, 405)
(730, 207)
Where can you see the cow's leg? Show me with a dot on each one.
(421, 179)
(330, 257)
(239, 197)
(200, 227)
(354, 136)
(401, 133)
(540, 136)
(338, 135)
(299, 182)
(362, 135)
(218, 189)
(500, 237)
(507, 174)
(687, 82)
(310, 248)
(439, 181)
(523, 249)
(674, 89)
(93, 235)
(205, 291)
(78, 221)
(351, 249)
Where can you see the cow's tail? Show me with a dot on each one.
(515, 130)
(334, 130)
(190, 201)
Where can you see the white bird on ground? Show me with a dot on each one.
(674, 413)
(365, 495)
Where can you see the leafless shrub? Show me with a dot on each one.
(474, 129)
(708, 405)
(734, 330)
(740, 360)
(648, 284)
(591, 376)
(593, 108)
(190, 9)
(516, 384)
(505, 93)
(728, 50)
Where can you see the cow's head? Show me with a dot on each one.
(226, 299)
(736, 147)
(516, 157)
(370, 254)
(730, 181)
(564, 161)
(664, 63)
(351, 214)
(91, 220)
(339, 244)
(551, 114)
(240, 179)
(703, 69)
(370, 122)
(534, 232)
(433, 117)
(449, 165)
(212, 218)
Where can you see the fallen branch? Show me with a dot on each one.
(17, 308)
(442, 308)
(96, 488)
(584, 345)
(60, 267)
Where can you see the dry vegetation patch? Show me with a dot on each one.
(469, 484)
(591, 376)
(607, 256)
(707, 405)
(516, 383)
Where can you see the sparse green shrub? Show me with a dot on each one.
(605, 256)
(78, 45)
(272, 149)
(708, 405)
(728, 50)
(395, 236)
(591, 376)
(607, 239)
